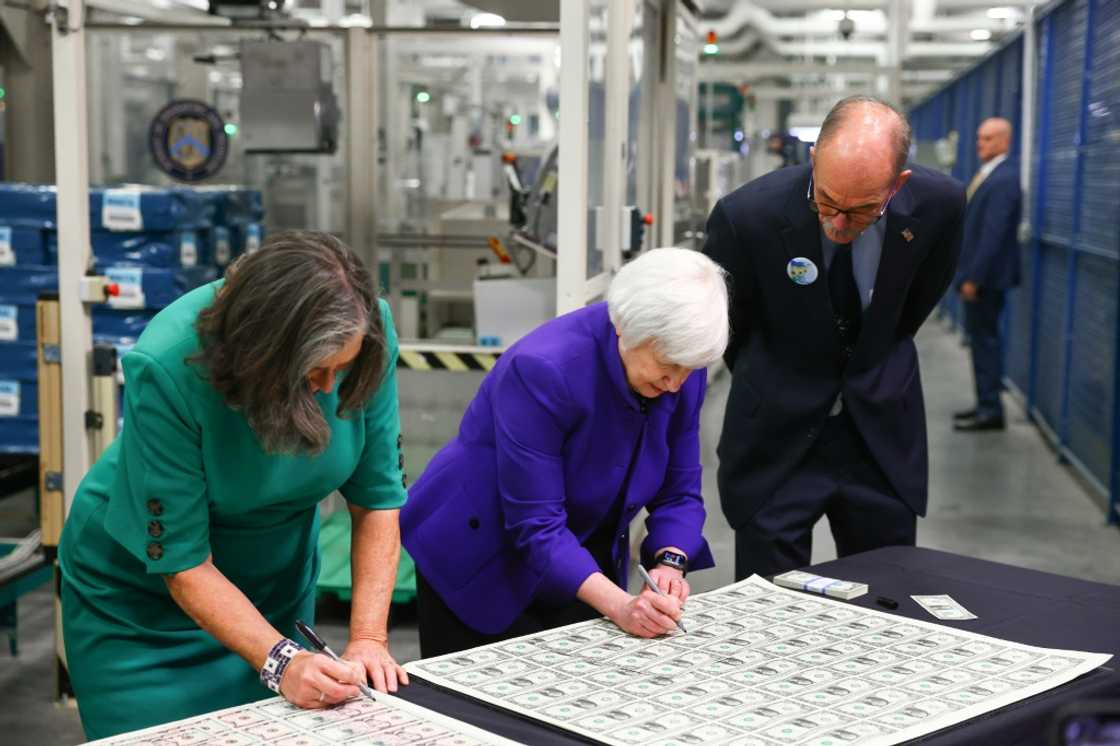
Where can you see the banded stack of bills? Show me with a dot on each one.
(806, 581)
(944, 607)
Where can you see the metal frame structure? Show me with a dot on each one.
(572, 191)
(71, 127)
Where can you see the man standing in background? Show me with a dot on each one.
(834, 266)
(989, 267)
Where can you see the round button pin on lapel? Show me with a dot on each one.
(802, 271)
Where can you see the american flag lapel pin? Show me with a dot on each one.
(907, 234)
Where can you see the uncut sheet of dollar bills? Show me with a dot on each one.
(387, 722)
(760, 665)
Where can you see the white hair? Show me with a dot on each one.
(677, 300)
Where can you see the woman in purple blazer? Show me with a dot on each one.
(521, 522)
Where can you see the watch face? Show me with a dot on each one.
(672, 559)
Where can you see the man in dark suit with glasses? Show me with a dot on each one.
(834, 265)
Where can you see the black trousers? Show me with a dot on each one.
(981, 321)
(441, 632)
(839, 478)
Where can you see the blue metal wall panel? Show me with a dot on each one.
(1011, 87)
(1100, 224)
(1020, 307)
(1062, 328)
(965, 124)
(1093, 373)
(1050, 352)
(990, 95)
(1069, 30)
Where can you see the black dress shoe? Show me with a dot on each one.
(977, 424)
(967, 414)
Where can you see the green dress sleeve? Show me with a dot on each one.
(378, 482)
(160, 511)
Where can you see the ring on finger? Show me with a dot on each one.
(322, 696)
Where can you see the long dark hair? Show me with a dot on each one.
(282, 311)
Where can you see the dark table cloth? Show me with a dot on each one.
(1024, 606)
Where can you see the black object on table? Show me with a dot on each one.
(1012, 603)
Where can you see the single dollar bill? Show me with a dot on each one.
(944, 607)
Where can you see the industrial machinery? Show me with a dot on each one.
(288, 104)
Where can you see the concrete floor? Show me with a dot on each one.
(997, 496)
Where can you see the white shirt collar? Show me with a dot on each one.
(990, 166)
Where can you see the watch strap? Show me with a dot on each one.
(277, 662)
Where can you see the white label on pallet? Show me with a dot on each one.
(252, 238)
(130, 280)
(9, 398)
(188, 250)
(7, 253)
(9, 323)
(120, 210)
(221, 246)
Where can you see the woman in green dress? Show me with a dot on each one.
(190, 549)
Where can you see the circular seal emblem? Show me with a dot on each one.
(188, 140)
(802, 271)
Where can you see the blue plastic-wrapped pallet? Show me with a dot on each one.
(22, 242)
(133, 208)
(152, 288)
(155, 243)
(19, 398)
(237, 221)
(20, 287)
(165, 249)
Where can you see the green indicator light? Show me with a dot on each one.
(231, 129)
(515, 119)
(423, 97)
(711, 49)
(3, 93)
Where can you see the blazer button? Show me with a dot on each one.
(155, 507)
(155, 529)
(473, 523)
(155, 550)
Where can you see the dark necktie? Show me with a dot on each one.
(846, 307)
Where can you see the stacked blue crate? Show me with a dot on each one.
(238, 227)
(156, 244)
(23, 275)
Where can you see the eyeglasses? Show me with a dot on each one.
(858, 217)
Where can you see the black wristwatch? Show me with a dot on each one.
(674, 560)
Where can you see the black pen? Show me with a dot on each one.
(319, 644)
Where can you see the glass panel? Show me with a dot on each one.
(640, 175)
(687, 218)
(132, 75)
(453, 105)
(596, 130)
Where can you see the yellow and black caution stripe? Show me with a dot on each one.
(454, 360)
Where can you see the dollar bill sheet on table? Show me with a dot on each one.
(759, 665)
(387, 722)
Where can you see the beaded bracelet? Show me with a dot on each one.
(278, 659)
